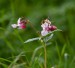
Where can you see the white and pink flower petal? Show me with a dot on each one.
(14, 25)
(44, 33)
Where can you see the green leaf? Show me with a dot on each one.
(48, 38)
(19, 65)
(63, 50)
(4, 65)
(48, 43)
(54, 31)
(16, 59)
(33, 39)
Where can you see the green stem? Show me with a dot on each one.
(43, 43)
(45, 54)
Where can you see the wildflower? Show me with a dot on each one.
(21, 24)
(47, 27)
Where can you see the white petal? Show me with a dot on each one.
(14, 25)
(44, 33)
(44, 26)
(18, 22)
(49, 22)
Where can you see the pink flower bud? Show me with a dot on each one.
(52, 28)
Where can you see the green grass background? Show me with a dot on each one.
(60, 12)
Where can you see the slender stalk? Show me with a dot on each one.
(45, 54)
(43, 43)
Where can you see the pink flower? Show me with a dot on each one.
(21, 24)
(47, 27)
(44, 32)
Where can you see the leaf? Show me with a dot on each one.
(19, 65)
(33, 39)
(63, 49)
(15, 60)
(48, 43)
(48, 38)
(3, 65)
(5, 60)
(57, 30)
(54, 31)
(58, 51)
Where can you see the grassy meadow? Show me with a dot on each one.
(14, 53)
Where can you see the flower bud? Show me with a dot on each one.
(52, 28)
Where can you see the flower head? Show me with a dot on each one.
(21, 24)
(47, 27)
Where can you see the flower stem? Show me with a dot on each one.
(45, 57)
(45, 54)
(43, 43)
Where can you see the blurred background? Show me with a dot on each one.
(60, 12)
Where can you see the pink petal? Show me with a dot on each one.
(44, 25)
(44, 33)
(23, 27)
